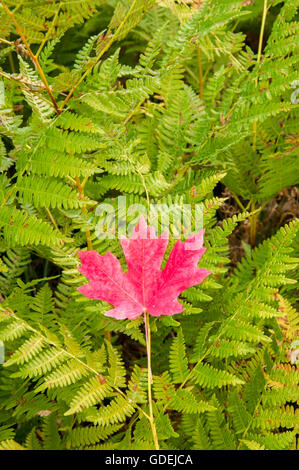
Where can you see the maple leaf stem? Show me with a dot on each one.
(150, 378)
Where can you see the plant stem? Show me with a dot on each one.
(253, 224)
(11, 63)
(20, 31)
(52, 219)
(48, 32)
(259, 53)
(238, 202)
(9, 43)
(150, 378)
(253, 218)
(132, 113)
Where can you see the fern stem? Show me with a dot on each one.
(18, 80)
(11, 63)
(9, 43)
(132, 113)
(107, 335)
(52, 219)
(48, 32)
(150, 378)
(253, 218)
(32, 56)
(88, 240)
(8, 77)
(253, 225)
(18, 6)
(238, 202)
(259, 53)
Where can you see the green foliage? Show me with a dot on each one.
(161, 102)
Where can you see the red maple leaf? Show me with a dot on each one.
(145, 287)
